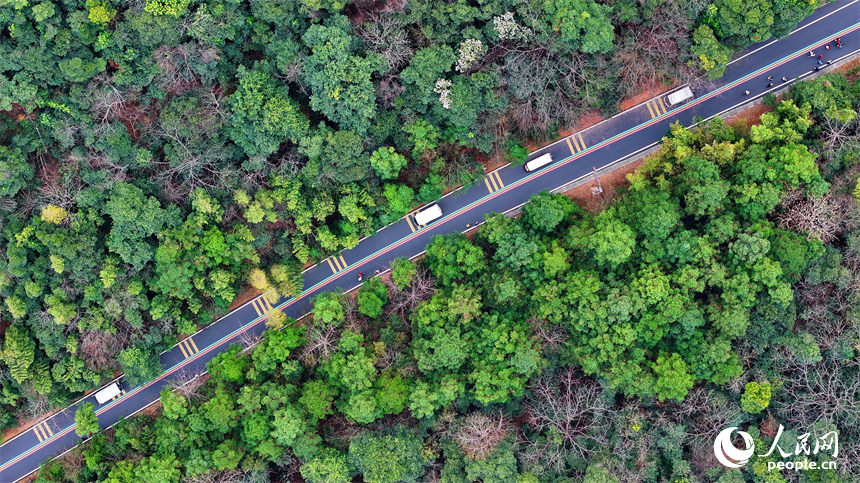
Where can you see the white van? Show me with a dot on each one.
(108, 393)
(680, 96)
(428, 214)
(539, 162)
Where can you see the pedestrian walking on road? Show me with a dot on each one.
(770, 85)
(827, 46)
(839, 45)
(746, 93)
(819, 57)
(812, 53)
(819, 62)
(784, 79)
(829, 62)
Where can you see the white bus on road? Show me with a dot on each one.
(680, 96)
(108, 393)
(428, 214)
(539, 162)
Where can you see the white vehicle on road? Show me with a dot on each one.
(428, 214)
(539, 162)
(108, 393)
(680, 96)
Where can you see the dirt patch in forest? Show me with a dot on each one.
(649, 91)
(245, 295)
(749, 117)
(610, 182)
(847, 67)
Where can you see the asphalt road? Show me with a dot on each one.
(604, 144)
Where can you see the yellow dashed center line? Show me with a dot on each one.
(649, 108)
(333, 270)
(572, 151)
(343, 261)
(409, 221)
(581, 141)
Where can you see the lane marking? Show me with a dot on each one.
(38, 434)
(487, 182)
(409, 221)
(650, 110)
(572, 151)
(343, 261)
(498, 178)
(266, 305)
(582, 141)
(328, 260)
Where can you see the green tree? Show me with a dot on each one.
(318, 398)
(174, 405)
(139, 365)
(387, 459)
(264, 116)
(86, 421)
(756, 397)
(15, 172)
(402, 272)
(158, 469)
(582, 24)
(371, 297)
(400, 199)
(387, 163)
(340, 79)
(276, 347)
(329, 466)
(18, 352)
(328, 309)
(713, 56)
(135, 218)
(673, 377)
(545, 211)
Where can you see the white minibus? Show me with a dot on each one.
(539, 162)
(428, 214)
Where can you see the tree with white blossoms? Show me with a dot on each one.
(507, 28)
(443, 88)
(470, 51)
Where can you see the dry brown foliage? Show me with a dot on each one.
(819, 217)
(479, 434)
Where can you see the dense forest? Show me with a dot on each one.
(156, 156)
(562, 345)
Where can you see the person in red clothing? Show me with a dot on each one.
(360, 276)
